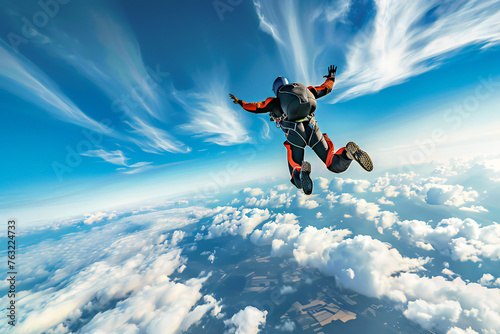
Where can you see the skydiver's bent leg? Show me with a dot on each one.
(336, 162)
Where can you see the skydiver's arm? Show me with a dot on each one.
(327, 86)
(324, 89)
(257, 107)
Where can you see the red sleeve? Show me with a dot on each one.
(260, 107)
(324, 89)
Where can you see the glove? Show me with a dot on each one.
(235, 99)
(332, 71)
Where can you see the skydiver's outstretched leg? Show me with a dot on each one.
(339, 161)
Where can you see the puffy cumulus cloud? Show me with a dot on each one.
(253, 191)
(287, 326)
(312, 246)
(376, 269)
(319, 215)
(322, 182)
(463, 240)
(211, 258)
(302, 200)
(431, 190)
(281, 233)
(287, 289)
(194, 316)
(362, 264)
(247, 321)
(360, 207)
(98, 217)
(275, 197)
(231, 221)
(116, 275)
(162, 308)
(385, 201)
(348, 185)
(489, 280)
(429, 315)
(392, 180)
(452, 195)
(369, 211)
(440, 304)
(456, 330)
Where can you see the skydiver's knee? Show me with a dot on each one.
(337, 169)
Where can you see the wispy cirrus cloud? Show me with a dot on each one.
(108, 55)
(400, 41)
(117, 157)
(19, 76)
(211, 114)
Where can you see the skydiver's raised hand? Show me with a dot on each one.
(332, 71)
(235, 99)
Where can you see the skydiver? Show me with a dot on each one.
(293, 110)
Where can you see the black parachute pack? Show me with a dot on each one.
(296, 101)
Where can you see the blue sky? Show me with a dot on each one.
(172, 64)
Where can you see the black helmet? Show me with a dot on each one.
(280, 81)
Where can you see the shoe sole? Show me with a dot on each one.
(355, 153)
(307, 183)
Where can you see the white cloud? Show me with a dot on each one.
(348, 185)
(253, 191)
(428, 315)
(126, 261)
(98, 217)
(302, 200)
(456, 330)
(381, 55)
(438, 194)
(432, 190)
(489, 280)
(247, 321)
(322, 182)
(287, 326)
(154, 140)
(230, 221)
(211, 258)
(474, 209)
(194, 316)
(287, 289)
(133, 88)
(117, 158)
(463, 240)
(393, 45)
(212, 115)
(26, 80)
(385, 201)
(319, 215)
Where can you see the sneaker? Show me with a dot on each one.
(307, 183)
(353, 152)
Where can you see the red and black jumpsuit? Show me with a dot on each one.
(304, 133)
